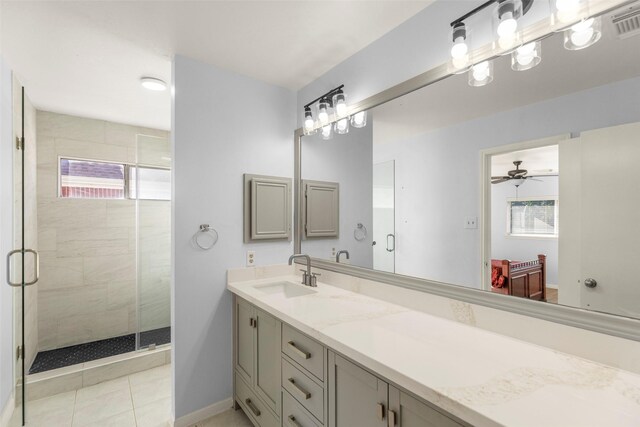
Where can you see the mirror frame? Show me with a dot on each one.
(619, 326)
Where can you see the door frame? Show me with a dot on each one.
(485, 196)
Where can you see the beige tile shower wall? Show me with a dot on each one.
(88, 263)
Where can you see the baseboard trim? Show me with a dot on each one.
(204, 413)
(7, 411)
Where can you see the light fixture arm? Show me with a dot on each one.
(328, 96)
(526, 5)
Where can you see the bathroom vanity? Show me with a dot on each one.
(328, 356)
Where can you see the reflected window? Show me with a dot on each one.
(87, 179)
(147, 183)
(534, 217)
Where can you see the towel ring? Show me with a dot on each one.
(205, 230)
(360, 233)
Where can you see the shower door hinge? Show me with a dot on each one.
(19, 352)
(19, 143)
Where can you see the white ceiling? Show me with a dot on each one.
(561, 72)
(86, 57)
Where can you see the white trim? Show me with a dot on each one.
(204, 413)
(7, 411)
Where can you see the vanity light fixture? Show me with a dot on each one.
(565, 11)
(308, 122)
(340, 103)
(526, 56)
(583, 34)
(460, 48)
(506, 22)
(332, 115)
(481, 74)
(323, 111)
(152, 83)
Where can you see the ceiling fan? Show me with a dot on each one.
(517, 175)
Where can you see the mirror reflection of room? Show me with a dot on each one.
(524, 144)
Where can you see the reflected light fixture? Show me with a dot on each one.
(326, 132)
(342, 126)
(526, 56)
(481, 74)
(359, 120)
(153, 83)
(583, 34)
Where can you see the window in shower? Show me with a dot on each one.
(149, 183)
(88, 179)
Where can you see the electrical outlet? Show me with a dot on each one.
(471, 222)
(333, 252)
(251, 258)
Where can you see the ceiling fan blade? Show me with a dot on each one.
(499, 180)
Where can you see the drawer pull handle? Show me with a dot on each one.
(299, 352)
(253, 407)
(392, 418)
(293, 422)
(303, 393)
(380, 411)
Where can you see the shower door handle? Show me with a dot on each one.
(36, 267)
(393, 248)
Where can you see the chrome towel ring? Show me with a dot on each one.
(206, 237)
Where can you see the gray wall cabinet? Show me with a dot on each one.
(320, 208)
(284, 378)
(257, 363)
(267, 208)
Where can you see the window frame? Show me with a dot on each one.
(556, 215)
(126, 167)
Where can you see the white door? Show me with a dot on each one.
(384, 236)
(600, 221)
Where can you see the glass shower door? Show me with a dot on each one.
(384, 234)
(150, 180)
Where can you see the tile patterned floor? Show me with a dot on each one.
(142, 399)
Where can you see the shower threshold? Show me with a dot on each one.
(80, 353)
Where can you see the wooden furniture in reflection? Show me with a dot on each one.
(526, 279)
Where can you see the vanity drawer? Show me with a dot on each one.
(303, 389)
(307, 352)
(253, 406)
(294, 415)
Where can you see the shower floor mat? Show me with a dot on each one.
(80, 353)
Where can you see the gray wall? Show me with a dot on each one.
(431, 211)
(522, 248)
(6, 232)
(224, 125)
(348, 160)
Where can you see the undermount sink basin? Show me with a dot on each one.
(288, 289)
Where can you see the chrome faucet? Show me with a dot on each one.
(340, 253)
(308, 278)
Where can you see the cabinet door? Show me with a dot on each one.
(356, 397)
(267, 369)
(244, 340)
(407, 411)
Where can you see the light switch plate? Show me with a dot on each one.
(471, 222)
(251, 258)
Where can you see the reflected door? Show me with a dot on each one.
(599, 227)
(384, 231)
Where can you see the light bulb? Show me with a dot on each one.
(340, 103)
(481, 71)
(342, 126)
(508, 25)
(526, 56)
(359, 120)
(459, 49)
(567, 10)
(308, 123)
(326, 132)
(323, 116)
(341, 108)
(582, 32)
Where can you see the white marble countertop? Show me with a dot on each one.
(481, 377)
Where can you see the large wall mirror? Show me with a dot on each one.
(526, 187)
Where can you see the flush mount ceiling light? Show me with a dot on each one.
(152, 83)
(527, 56)
(583, 34)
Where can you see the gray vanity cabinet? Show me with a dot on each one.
(357, 398)
(407, 411)
(257, 362)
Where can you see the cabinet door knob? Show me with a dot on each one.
(380, 411)
(590, 283)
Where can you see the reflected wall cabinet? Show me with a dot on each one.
(267, 208)
(320, 208)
